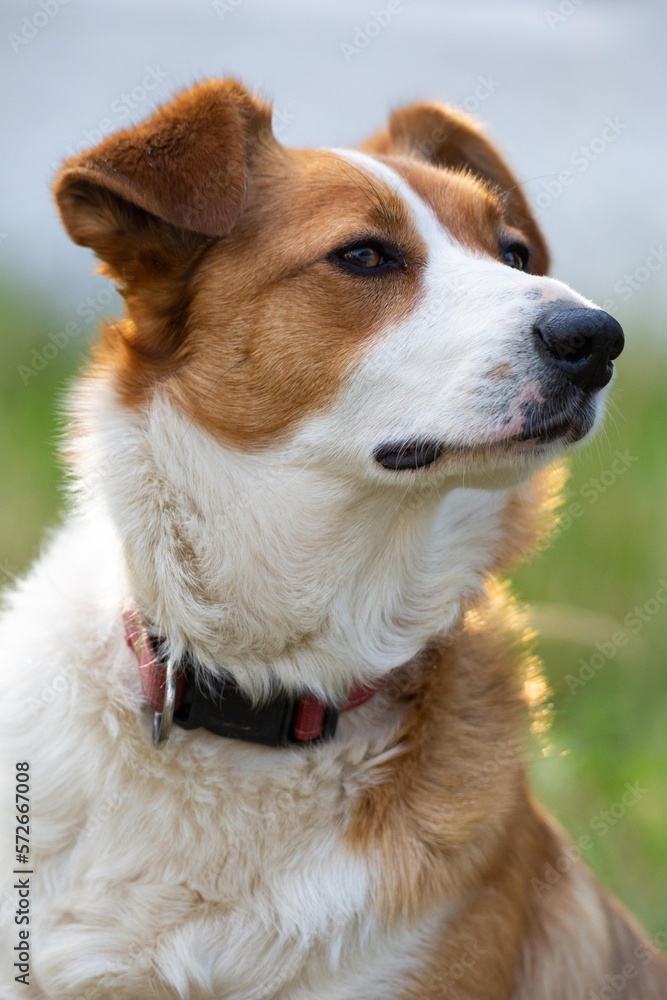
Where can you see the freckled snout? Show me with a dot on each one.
(580, 342)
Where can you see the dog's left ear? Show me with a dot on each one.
(151, 198)
(446, 138)
(186, 165)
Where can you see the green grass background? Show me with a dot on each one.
(608, 733)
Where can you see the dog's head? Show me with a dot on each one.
(381, 317)
(395, 298)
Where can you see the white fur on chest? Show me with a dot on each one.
(224, 879)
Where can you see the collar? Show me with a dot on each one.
(171, 690)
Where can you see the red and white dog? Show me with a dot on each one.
(323, 425)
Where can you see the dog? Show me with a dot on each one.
(263, 696)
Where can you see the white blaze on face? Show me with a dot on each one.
(462, 368)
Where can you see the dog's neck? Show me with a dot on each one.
(273, 566)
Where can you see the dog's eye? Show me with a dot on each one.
(364, 257)
(516, 255)
(368, 257)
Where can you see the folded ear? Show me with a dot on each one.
(184, 171)
(446, 138)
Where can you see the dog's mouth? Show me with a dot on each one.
(412, 455)
(571, 429)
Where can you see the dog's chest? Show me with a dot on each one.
(232, 881)
(208, 869)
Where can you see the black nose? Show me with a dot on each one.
(582, 342)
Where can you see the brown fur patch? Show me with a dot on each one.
(443, 137)
(187, 165)
(436, 812)
(462, 203)
(449, 820)
(274, 324)
(150, 199)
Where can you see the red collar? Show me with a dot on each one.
(284, 720)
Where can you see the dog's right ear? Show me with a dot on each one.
(445, 137)
(171, 182)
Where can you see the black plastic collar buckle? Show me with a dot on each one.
(223, 709)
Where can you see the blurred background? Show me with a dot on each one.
(574, 92)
